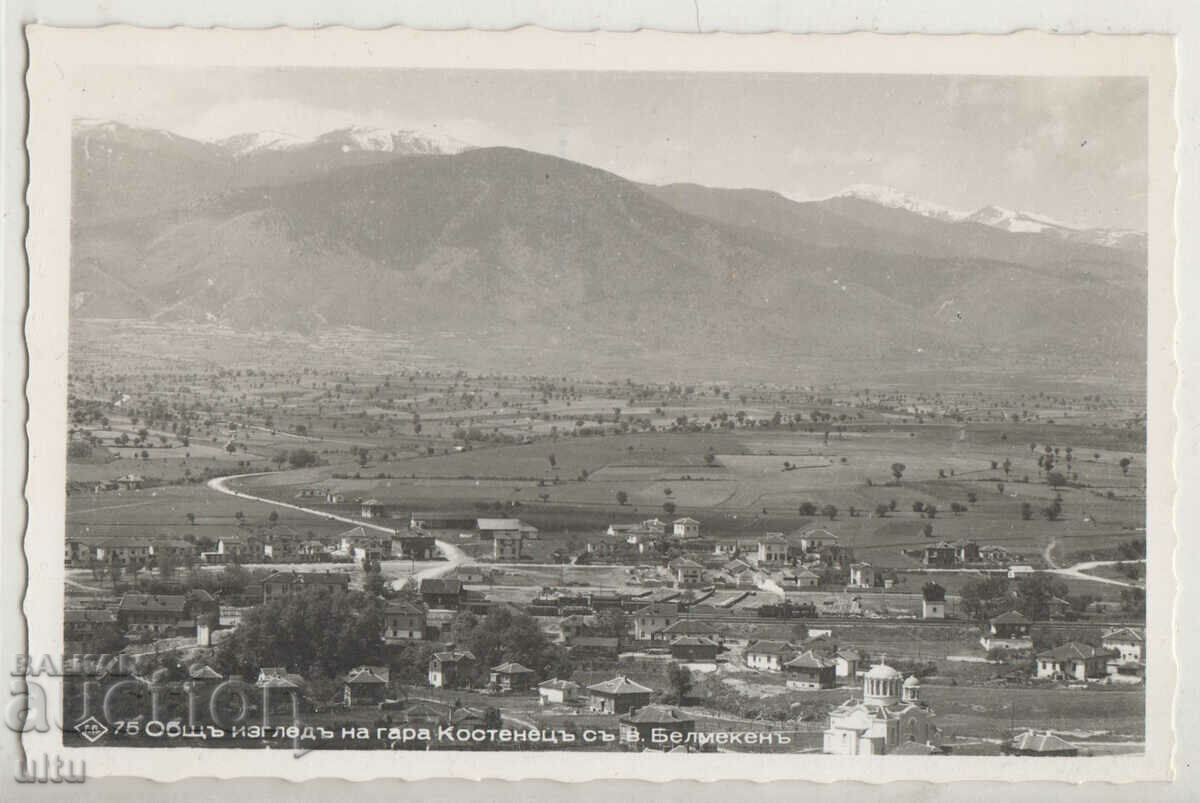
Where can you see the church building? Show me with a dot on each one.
(890, 714)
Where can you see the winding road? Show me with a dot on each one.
(455, 557)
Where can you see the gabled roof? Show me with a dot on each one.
(441, 585)
(167, 603)
(690, 627)
(685, 563)
(88, 615)
(277, 677)
(657, 715)
(766, 647)
(685, 520)
(1125, 634)
(400, 607)
(452, 656)
(558, 683)
(809, 660)
(658, 609)
(618, 686)
(693, 641)
(1010, 618)
(512, 668)
(369, 674)
(1041, 743)
(1074, 651)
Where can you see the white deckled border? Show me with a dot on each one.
(59, 54)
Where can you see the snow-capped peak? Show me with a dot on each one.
(363, 138)
(896, 199)
(243, 144)
(1013, 220)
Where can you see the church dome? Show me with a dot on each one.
(883, 672)
(912, 682)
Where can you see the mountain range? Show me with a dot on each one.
(535, 262)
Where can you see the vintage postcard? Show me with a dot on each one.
(544, 405)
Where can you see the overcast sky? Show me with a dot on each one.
(1073, 149)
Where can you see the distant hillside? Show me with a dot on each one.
(550, 264)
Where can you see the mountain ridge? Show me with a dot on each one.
(546, 261)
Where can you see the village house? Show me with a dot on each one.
(816, 539)
(648, 723)
(803, 578)
(590, 649)
(366, 685)
(1019, 570)
(810, 671)
(361, 544)
(78, 552)
(890, 714)
(131, 482)
(415, 546)
(506, 546)
(966, 552)
(153, 612)
(1072, 661)
(768, 655)
(175, 549)
(441, 592)
(643, 539)
(559, 692)
(772, 550)
(123, 551)
(685, 528)
(694, 648)
(690, 626)
(280, 549)
(474, 575)
(238, 547)
(402, 621)
(373, 509)
(1127, 644)
(653, 618)
(939, 556)
(277, 678)
(688, 573)
(202, 677)
(510, 676)
(490, 528)
(1057, 609)
(658, 526)
(335, 498)
(845, 663)
(862, 575)
(1009, 631)
(278, 584)
(451, 669)
(80, 623)
(618, 696)
(933, 601)
(443, 525)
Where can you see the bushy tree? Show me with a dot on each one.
(314, 628)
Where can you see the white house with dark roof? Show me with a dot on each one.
(686, 528)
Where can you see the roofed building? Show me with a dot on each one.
(619, 695)
(890, 714)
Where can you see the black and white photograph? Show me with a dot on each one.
(801, 414)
